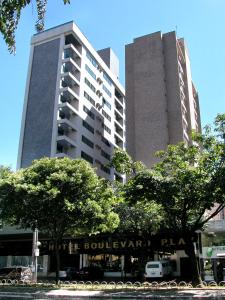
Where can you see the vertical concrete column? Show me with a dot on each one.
(9, 261)
(45, 264)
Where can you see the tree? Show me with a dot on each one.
(10, 11)
(144, 218)
(4, 171)
(123, 163)
(188, 183)
(62, 196)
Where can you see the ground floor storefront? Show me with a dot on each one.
(213, 252)
(118, 256)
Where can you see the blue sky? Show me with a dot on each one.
(116, 23)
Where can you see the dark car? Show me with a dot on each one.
(89, 273)
(16, 273)
(71, 272)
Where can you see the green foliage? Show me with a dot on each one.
(140, 217)
(62, 195)
(187, 182)
(4, 172)
(123, 163)
(10, 12)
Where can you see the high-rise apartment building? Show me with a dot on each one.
(162, 105)
(74, 104)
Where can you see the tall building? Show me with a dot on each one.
(74, 104)
(162, 105)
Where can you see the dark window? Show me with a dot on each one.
(89, 85)
(105, 141)
(105, 169)
(88, 127)
(104, 154)
(106, 103)
(106, 115)
(106, 90)
(106, 77)
(88, 112)
(86, 157)
(92, 60)
(89, 98)
(90, 72)
(106, 128)
(87, 141)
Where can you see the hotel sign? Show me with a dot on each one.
(116, 245)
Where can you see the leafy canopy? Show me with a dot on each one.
(187, 182)
(63, 196)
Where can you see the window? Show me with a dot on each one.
(89, 85)
(104, 154)
(106, 90)
(86, 157)
(92, 60)
(105, 169)
(88, 112)
(90, 72)
(106, 115)
(105, 141)
(87, 141)
(106, 77)
(106, 128)
(88, 127)
(89, 98)
(106, 103)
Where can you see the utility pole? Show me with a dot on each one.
(35, 253)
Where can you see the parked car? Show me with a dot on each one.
(17, 272)
(89, 273)
(157, 269)
(71, 272)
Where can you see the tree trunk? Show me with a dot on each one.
(190, 251)
(57, 256)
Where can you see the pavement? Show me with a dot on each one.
(164, 294)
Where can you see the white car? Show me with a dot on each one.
(158, 269)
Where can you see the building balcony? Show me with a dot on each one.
(65, 141)
(70, 39)
(70, 96)
(118, 107)
(67, 109)
(119, 97)
(73, 50)
(118, 140)
(68, 80)
(68, 65)
(71, 54)
(61, 154)
(65, 151)
(119, 119)
(118, 130)
(67, 125)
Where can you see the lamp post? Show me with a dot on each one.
(35, 253)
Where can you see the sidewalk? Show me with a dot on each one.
(154, 295)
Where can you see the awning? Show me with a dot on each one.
(220, 254)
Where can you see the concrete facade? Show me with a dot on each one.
(74, 104)
(40, 106)
(161, 101)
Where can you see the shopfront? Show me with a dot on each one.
(213, 255)
(119, 256)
